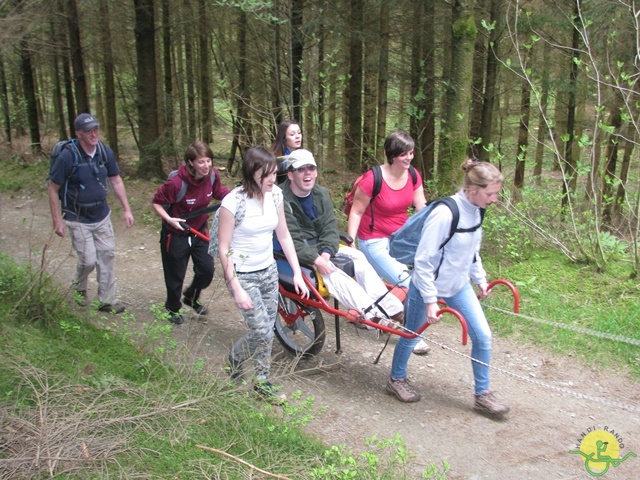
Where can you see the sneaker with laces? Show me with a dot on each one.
(266, 391)
(488, 403)
(403, 389)
(81, 298)
(421, 348)
(387, 322)
(114, 308)
(197, 306)
(175, 317)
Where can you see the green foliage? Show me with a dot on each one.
(385, 458)
(114, 390)
(554, 289)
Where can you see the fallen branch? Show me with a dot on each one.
(253, 467)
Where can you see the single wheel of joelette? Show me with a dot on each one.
(299, 329)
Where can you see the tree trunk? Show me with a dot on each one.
(570, 174)
(613, 143)
(58, 109)
(370, 103)
(168, 76)
(77, 62)
(111, 119)
(150, 164)
(383, 78)
(629, 145)
(297, 48)
(523, 130)
(477, 84)
(416, 79)
(68, 92)
(241, 129)
(427, 138)
(30, 95)
(189, 72)
(491, 79)
(543, 130)
(204, 68)
(353, 95)
(4, 100)
(456, 118)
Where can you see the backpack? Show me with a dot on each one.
(404, 243)
(183, 187)
(377, 186)
(241, 208)
(57, 149)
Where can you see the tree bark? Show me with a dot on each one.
(353, 95)
(297, 49)
(168, 75)
(456, 117)
(111, 119)
(543, 130)
(4, 100)
(523, 130)
(383, 78)
(150, 163)
(77, 62)
(29, 87)
(204, 68)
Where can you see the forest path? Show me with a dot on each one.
(531, 442)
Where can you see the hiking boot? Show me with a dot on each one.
(175, 317)
(81, 298)
(234, 368)
(114, 308)
(421, 348)
(486, 402)
(197, 306)
(403, 389)
(265, 391)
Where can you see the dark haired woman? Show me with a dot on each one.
(248, 217)
(172, 202)
(288, 138)
(399, 191)
(445, 273)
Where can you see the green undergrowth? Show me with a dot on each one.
(94, 398)
(553, 289)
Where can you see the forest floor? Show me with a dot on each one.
(531, 442)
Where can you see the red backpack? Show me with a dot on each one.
(377, 186)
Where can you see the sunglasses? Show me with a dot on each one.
(306, 168)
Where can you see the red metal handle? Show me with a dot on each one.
(514, 291)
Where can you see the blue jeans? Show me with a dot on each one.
(376, 251)
(466, 302)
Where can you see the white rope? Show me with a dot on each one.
(604, 401)
(573, 328)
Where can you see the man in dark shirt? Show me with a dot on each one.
(78, 201)
(314, 229)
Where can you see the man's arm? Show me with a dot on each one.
(121, 193)
(54, 205)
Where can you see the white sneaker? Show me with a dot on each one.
(421, 348)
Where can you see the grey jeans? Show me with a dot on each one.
(95, 246)
(262, 287)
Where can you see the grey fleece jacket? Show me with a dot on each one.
(443, 272)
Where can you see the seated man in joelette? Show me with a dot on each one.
(314, 228)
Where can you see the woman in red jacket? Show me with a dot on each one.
(192, 189)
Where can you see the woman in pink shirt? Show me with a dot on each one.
(373, 222)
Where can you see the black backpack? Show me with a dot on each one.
(57, 149)
(377, 186)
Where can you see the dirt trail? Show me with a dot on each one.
(532, 442)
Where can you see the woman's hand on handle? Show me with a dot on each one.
(483, 290)
(432, 313)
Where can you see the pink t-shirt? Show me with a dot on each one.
(389, 207)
